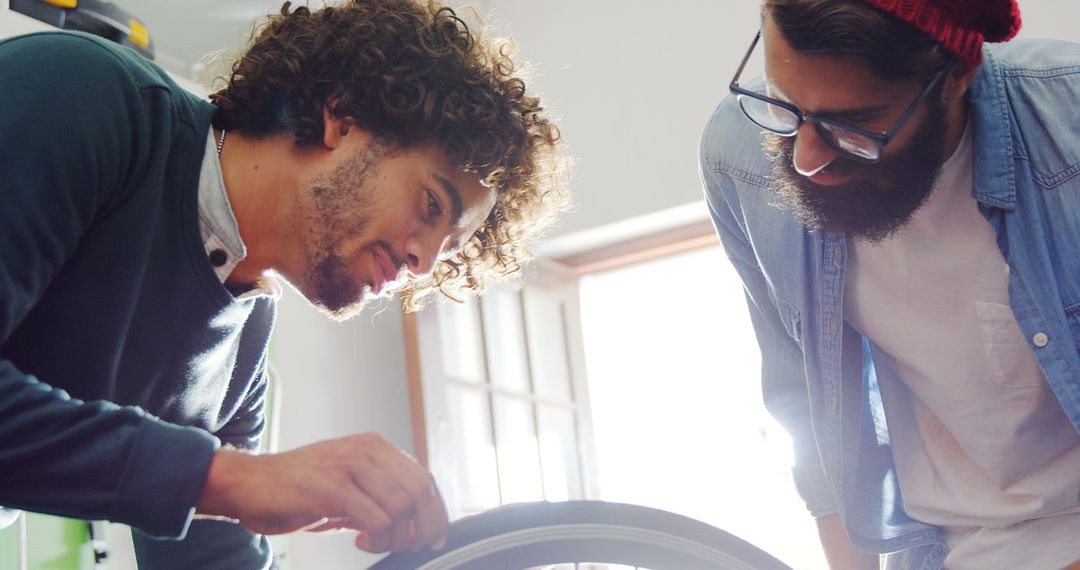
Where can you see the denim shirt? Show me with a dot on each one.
(818, 374)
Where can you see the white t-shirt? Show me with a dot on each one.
(982, 446)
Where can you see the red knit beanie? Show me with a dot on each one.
(960, 26)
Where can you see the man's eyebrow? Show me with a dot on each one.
(849, 113)
(857, 113)
(455, 198)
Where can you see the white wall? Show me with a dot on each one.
(632, 84)
(338, 379)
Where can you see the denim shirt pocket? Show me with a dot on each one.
(789, 317)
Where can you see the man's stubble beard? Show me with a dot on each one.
(341, 202)
(880, 200)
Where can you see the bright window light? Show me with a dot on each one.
(674, 382)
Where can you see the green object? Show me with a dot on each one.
(53, 543)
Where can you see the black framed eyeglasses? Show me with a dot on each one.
(785, 119)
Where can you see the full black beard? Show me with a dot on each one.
(880, 200)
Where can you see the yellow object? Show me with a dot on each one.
(64, 3)
(139, 35)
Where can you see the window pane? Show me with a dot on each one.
(477, 478)
(547, 344)
(504, 330)
(519, 456)
(691, 365)
(462, 351)
(559, 454)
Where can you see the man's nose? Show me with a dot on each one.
(811, 152)
(422, 251)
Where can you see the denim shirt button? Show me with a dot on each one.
(834, 403)
(1040, 339)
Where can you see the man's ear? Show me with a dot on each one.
(960, 78)
(335, 129)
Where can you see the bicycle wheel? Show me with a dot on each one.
(525, 535)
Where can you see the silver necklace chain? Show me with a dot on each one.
(221, 143)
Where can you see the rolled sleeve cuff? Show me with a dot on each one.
(815, 490)
(160, 485)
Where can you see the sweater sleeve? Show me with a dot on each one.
(69, 140)
(246, 425)
(214, 544)
(209, 545)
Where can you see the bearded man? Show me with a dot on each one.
(903, 206)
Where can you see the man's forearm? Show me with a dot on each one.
(220, 484)
(839, 551)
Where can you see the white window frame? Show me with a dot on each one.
(428, 381)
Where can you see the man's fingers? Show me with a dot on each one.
(429, 519)
(401, 535)
(384, 489)
(406, 491)
(369, 516)
(370, 486)
(359, 482)
(430, 524)
(363, 542)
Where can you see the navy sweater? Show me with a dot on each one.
(124, 362)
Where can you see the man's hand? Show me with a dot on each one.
(839, 552)
(359, 482)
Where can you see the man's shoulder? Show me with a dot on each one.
(735, 173)
(731, 145)
(1026, 93)
(78, 57)
(1035, 57)
(87, 77)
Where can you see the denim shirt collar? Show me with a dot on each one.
(994, 172)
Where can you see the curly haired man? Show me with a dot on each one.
(356, 150)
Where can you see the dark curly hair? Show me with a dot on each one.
(411, 73)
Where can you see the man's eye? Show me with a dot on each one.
(434, 207)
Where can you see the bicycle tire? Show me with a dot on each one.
(525, 535)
